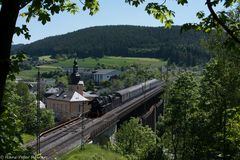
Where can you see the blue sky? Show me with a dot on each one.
(112, 12)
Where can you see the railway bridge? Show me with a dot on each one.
(77, 131)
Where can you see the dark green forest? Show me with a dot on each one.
(123, 40)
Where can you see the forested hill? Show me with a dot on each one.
(124, 41)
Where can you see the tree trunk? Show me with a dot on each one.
(220, 22)
(8, 17)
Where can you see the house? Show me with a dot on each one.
(104, 74)
(67, 104)
(70, 103)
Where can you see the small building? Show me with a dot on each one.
(67, 104)
(104, 74)
(70, 103)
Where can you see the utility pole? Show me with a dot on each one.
(155, 118)
(38, 112)
(83, 127)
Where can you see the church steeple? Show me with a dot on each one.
(75, 66)
(75, 76)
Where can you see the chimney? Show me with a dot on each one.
(78, 87)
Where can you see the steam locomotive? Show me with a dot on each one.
(103, 104)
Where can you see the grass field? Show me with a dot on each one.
(32, 74)
(92, 152)
(107, 61)
(27, 138)
(45, 58)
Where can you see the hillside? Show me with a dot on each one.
(131, 41)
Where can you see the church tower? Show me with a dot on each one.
(75, 83)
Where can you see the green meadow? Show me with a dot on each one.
(107, 61)
(32, 74)
(45, 58)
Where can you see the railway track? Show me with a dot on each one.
(66, 136)
(70, 140)
(51, 138)
(56, 136)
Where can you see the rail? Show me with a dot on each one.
(68, 135)
(59, 126)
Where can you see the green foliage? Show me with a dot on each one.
(23, 30)
(92, 5)
(42, 10)
(92, 152)
(202, 121)
(128, 41)
(63, 80)
(155, 153)
(131, 75)
(27, 138)
(222, 21)
(220, 100)
(182, 2)
(116, 85)
(11, 127)
(136, 74)
(181, 114)
(53, 74)
(46, 119)
(53, 69)
(110, 62)
(211, 22)
(200, 14)
(105, 84)
(89, 85)
(133, 139)
(134, 2)
(25, 108)
(14, 67)
(46, 58)
(161, 12)
(10, 135)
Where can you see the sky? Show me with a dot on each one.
(112, 12)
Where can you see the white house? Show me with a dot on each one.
(104, 74)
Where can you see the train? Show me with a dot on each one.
(103, 104)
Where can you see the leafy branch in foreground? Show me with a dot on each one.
(214, 20)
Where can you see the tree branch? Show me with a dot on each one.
(81, 2)
(163, 2)
(230, 32)
(24, 5)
